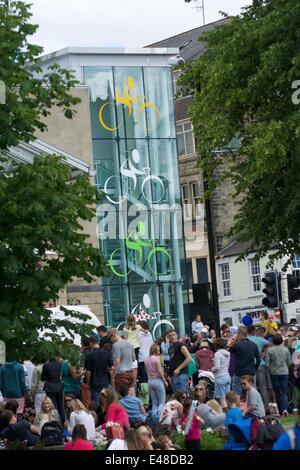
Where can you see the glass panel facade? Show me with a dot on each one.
(139, 217)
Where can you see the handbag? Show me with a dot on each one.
(114, 431)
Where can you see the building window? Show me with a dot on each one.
(196, 196)
(202, 272)
(255, 280)
(185, 191)
(225, 279)
(185, 139)
(296, 263)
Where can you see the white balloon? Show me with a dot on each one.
(146, 300)
(136, 156)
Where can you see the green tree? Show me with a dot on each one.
(41, 209)
(244, 87)
(41, 212)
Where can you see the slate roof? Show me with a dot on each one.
(193, 47)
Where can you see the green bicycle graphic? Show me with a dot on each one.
(136, 245)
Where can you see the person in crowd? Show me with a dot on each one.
(210, 417)
(84, 387)
(267, 324)
(263, 380)
(225, 331)
(146, 438)
(21, 431)
(130, 442)
(197, 325)
(233, 414)
(172, 411)
(179, 360)
(145, 341)
(71, 377)
(165, 442)
(256, 335)
(13, 384)
(47, 413)
(97, 364)
(51, 375)
(278, 361)
(11, 405)
(131, 333)
(80, 415)
(164, 346)
(247, 358)
(156, 378)
(102, 333)
(67, 400)
(37, 388)
(290, 440)
(123, 356)
(204, 357)
(79, 439)
(133, 405)
(114, 412)
(29, 367)
(254, 404)
(191, 422)
(220, 369)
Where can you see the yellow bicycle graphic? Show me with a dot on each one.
(128, 100)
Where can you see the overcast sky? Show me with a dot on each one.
(130, 23)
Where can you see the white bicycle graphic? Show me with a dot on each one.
(131, 173)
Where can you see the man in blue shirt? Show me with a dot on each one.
(133, 405)
(256, 336)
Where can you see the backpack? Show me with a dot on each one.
(52, 434)
(268, 433)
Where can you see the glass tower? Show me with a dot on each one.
(139, 221)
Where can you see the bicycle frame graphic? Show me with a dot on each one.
(144, 316)
(132, 173)
(136, 244)
(128, 100)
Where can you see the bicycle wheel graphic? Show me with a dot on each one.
(109, 181)
(101, 115)
(158, 324)
(152, 260)
(120, 326)
(153, 184)
(112, 266)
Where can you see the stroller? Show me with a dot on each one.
(208, 380)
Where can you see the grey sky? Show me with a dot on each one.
(130, 23)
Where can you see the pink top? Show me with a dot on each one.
(151, 366)
(79, 444)
(194, 433)
(117, 414)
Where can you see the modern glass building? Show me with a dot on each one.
(139, 221)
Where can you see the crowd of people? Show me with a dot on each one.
(130, 392)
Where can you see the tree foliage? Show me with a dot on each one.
(29, 94)
(40, 214)
(41, 209)
(244, 86)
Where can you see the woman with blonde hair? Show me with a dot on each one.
(48, 413)
(131, 333)
(80, 415)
